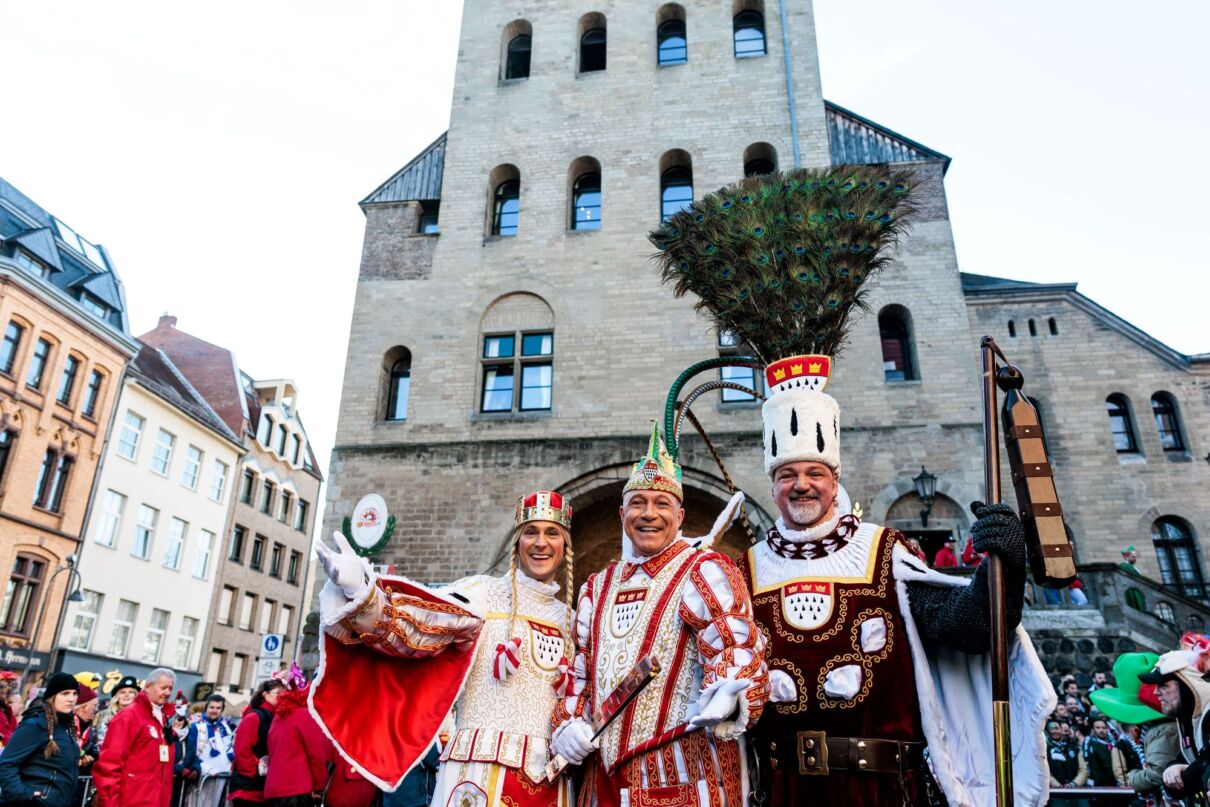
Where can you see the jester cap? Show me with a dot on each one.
(656, 469)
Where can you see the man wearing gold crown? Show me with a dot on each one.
(499, 645)
(677, 744)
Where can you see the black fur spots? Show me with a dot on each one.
(819, 437)
(773, 444)
(793, 422)
(835, 427)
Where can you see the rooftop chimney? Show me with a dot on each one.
(167, 320)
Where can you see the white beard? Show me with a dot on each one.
(806, 511)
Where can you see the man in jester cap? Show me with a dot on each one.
(396, 656)
(1183, 692)
(873, 657)
(1133, 703)
(677, 744)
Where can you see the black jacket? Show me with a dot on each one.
(24, 770)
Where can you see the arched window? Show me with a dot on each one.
(676, 183)
(397, 368)
(898, 351)
(1120, 424)
(1180, 568)
(586, 194)
(517, 357)
(518, 39)
(672, 46)
(1054, 326)
(1012, 328)
(749, 34)
(505, 182)
(1033, 328)
(759, 159)
(592, 43)
(1167, 421)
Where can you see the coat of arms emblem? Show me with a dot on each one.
(806, 605)
(546, 645)
(627, 606)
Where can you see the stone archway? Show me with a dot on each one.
(597, 528)
(946, 519)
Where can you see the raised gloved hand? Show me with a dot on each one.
(350, 572)
(718, 703)
(998, 529)
(781, 687)
(573, 741)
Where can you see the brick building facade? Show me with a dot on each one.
(475, 245)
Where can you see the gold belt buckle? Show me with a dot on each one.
(813, 753)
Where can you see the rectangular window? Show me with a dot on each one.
(93, 394)
(21, 595)
(201, 561)
(292, 569)
(300, 515)
(214, 667)
(281, 440)
(7, 439)
(537, 344)
(109, 522)
(85, 620)
(176, 544)
(285, 506)
(184, 642)
(161, 457)
(295, 448)
(52, 481)
(144, 532)
(238, 536)
(275, 560)
(155, 637)
(236, 679)
(501, 392)
(535, 386)
(37, 365)
(9, 347)
(264, 432)
(132, 430)
(225, 602)
(266, 616)
(497, 387)
(247, 609)
(67, 384)
(729, 345)
(284, 617)
(94, 306)
(32, 264)
(266, 497)
(246, 486)
(123, 624)
(258, 553)
(498, 347)
(218, 480)
(193, 467)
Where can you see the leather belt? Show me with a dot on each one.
(813, 753)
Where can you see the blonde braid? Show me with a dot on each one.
(569, 578)
(512, 582)
(52, 747)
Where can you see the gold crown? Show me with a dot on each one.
(795, 369)
(814, 368)
(779, 374)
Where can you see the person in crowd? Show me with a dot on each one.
(1129, 559)
(298, 749)
(135, 765)
(209, 752)
(8, 717)
(85, 714)
(1067, 768)
(1183, 694)
(123, 695)
(1102, 680)
(419, 785)
(945, 557)
(184, 777)
(251, 761)
(348, 788)
(41, 762)
(1077, 593)
(1098, 752)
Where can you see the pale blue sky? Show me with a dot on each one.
(219, 152)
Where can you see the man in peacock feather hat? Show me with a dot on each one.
(873, 657)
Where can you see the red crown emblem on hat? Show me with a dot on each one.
(544, 505)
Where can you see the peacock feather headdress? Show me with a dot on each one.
(782, 260)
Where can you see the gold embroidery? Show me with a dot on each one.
(800, 687)
(841, 703)
(870, 613)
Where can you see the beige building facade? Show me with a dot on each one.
(502, 343)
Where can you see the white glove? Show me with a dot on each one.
(350, 572)
(781, 687)
(573, 741)
(720, 703)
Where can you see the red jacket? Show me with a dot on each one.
(8, 723)
(945, 558)
(245, 758)
(298, 749)
(349, 788)
(135, 766)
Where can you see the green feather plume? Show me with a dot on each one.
(782, 260)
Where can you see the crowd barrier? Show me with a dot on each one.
(1103, 795)
(185, 799)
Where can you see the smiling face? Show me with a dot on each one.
(540, 549)
(805, 493)
(651, 519)
(125, 697)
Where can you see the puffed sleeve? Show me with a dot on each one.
(576, 702)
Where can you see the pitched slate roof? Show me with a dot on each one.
(854, 140)
(419, 180)
(152, 369)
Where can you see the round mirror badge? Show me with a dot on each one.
(369, 527)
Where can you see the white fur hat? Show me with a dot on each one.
(802, 423)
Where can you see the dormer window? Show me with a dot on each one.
(34, 265)
(94, 306)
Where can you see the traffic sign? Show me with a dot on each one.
(271, 645)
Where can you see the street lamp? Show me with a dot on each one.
(75, 596)
(926, 489)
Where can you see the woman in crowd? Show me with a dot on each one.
(252, 745)
(8, 718)
(298, 750)
(182, 774)
(123, 696)
(41, 762)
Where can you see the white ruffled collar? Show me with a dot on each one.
(537, 586)
(811, 534)
(633, 556)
